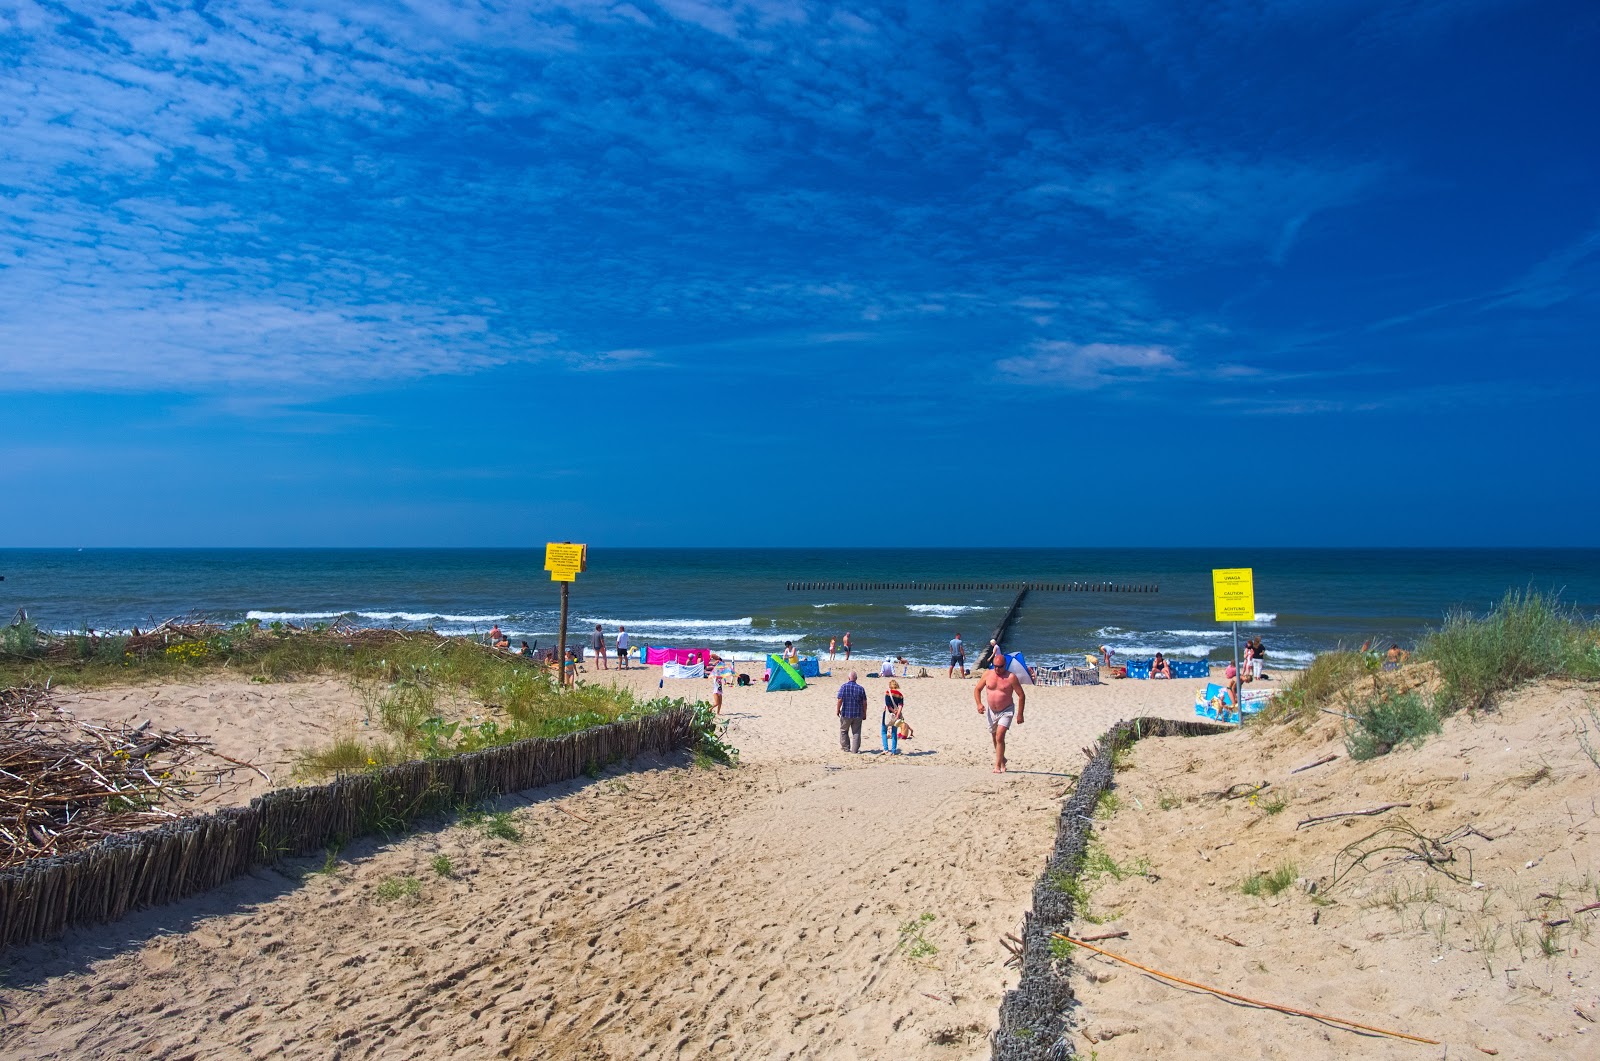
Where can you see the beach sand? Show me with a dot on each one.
(667, 911)
(1487, 951)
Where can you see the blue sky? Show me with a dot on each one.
(758, 273)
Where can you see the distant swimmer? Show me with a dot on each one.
(993, 694)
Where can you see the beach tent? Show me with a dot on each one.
(784, 676)
(1018, 666)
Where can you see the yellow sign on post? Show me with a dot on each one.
(1235, 592)
(564, 560)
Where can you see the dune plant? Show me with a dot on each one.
(1526, 635)
(1320, 685)
(1389, 720)
(1271, 883)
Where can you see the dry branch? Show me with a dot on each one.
(66, 784)
(1349, 814)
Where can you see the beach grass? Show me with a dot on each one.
(1320, 685)
(1527, 635)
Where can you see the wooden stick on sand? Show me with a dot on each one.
(1241, 998)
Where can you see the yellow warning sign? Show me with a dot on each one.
(1235, 592)
(564, 560)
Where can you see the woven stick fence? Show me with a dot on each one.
(46, 897)
(1033, 1021)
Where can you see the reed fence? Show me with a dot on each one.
(44, 898)
(1033, 1016)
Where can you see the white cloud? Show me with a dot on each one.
(1088, 366)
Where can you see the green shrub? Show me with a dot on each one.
(20, 640)
(1527, 635)
(1387, 721)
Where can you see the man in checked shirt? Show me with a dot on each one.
(851, 710)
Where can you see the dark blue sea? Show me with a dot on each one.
(735, 601)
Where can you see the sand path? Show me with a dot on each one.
(663, 912)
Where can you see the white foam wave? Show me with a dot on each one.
(671, 624)
(423, 617)
(1264, 619)
(1136, 651)
(944, 609)
(372, 613)
(842, 604)
(289, 617)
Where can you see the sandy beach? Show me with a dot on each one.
(667, 911)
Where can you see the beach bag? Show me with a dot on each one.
(744, 679)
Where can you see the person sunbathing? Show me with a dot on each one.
(1160, 668)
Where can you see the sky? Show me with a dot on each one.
(783, 273)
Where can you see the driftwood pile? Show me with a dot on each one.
(67, 783)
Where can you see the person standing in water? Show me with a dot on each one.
(847, 646)
(958, 657)
(994, 694)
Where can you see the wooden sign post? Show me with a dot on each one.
(564, 560)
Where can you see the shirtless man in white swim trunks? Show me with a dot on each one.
(993, 695)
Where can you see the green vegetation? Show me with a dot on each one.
(913, 944)
(442, 865)
(1389, 720)
(1527, 635)
(1061, 949)
(499, 826)
(1271, 883)
(1318, 686)
(1107, 804)
(391, 888)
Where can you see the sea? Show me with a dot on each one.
(744, 602)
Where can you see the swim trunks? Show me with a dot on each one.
(1000, 719)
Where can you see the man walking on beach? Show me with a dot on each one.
(622, 647)
(597, 644)
(993, 695)
(851, 709)
(958, 656)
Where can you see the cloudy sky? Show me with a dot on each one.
(770, 272)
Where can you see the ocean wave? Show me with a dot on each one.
(671, 624)
(1137, 651)
(944, 609)
(843, 604)
(371, 613)
(289, 617)
(1263, 619)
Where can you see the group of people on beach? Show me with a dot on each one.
(998, 695)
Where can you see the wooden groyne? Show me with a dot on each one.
(44, 898)
(963, 587)
(1003, 629)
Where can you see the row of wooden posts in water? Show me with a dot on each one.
(958, 587)
(44, 898)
